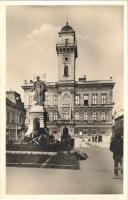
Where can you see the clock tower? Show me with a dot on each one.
(66, 49)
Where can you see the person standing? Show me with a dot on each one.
(93, 138)
(116, 146)
(96, 138)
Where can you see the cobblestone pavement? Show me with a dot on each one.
(94, 177)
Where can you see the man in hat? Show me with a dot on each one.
(116, 146)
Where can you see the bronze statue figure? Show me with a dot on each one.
(40, 89)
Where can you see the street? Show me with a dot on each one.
(94, 177)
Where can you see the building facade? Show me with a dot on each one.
(15, 117)
(80, 105)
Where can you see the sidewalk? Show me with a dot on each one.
(103, 144)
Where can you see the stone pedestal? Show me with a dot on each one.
(36, 111)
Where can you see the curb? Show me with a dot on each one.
(32, 152)
(34, 165)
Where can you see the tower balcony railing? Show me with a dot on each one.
(67, 47)
(66, 44)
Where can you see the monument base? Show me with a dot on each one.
(36, 113)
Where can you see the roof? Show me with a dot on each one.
(119, 114)
(93, 83)
(13, 99)
(67, 28)
(15, 105)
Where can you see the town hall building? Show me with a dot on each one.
(81, 106)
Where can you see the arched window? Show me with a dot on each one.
(65, 70)
(66, 99)
(66, 115)
(36, 124)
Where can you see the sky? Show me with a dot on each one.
(31, 37)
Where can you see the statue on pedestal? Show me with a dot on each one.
(40, 89)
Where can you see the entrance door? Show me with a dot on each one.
(36, 124)
(65, 131)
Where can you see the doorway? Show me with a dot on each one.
(65, 131)
(36, 124)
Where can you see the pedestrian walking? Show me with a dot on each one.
(100, 138)
(96, 138)
(93, 138)
(116, 146)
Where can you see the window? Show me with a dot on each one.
(94, 116)
(66, 42)
(94, 99)
(103, 99)
(46, 100)
(7, 120)
(103, 116)
(55, 116)
(12, 134)
(12, 119)
(20, 117)
(85, 116)
(66, 99)
(54, 100)
(86, 100)
(77, 116)
(66, 116)
(77, 99)
(48, 116)
(65, 71)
